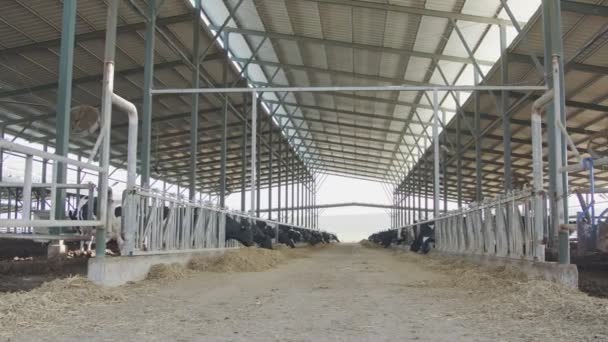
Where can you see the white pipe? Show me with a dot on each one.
(106, 121)
(131, 110)
(537, 171)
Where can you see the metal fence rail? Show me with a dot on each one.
(27, 220)
(156, 222)
(504, 227)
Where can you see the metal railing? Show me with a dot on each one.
(504, 226)
(166, 223)
(162, 222)
(27, 221)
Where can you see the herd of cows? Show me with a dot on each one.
(244, 229)
(420, 238)
(251, 232)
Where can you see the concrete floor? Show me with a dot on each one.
(341, 293)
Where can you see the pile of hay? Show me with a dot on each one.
(241, 260)
(504, 290)
(367, 243)
(173, 271)
(36, 308)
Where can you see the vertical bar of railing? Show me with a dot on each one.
(53, 192)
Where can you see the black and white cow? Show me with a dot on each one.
(238, 228)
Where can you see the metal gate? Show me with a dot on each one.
(156, 222)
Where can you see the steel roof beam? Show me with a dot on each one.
(416, 11)
(331, 72)
(93, 35)
(584, 8)
(350, 45)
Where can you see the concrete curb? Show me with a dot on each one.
(116, 271)
(566, 275)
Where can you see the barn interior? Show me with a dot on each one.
(184, 105)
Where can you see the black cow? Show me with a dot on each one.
(425, 238)
(238, 228)
(260, 234)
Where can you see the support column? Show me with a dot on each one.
(459, 160)
(293, 182)
(64, 100)
(279, 175)
(258, 192)
(270, 142)
(298, 185)
(254, 114)
(196, 15)
(146, 131)
(477, 125)
(436, 184)
(445, 167)
(504, 111)
(558, 181)
(244, 159)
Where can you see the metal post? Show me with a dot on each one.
(64, 100)
(287, 172)
(106, 124)
(258, 164)
(44, 172)
(280, 169)
(254, 114)
(26, 197)
(293, 182)
(195, 97)
(459, 161)
(445, 167)
(558, 182)
(436, 184)
(146, 122)
(298, 174)
(426, 185)
(504, 112)
(477, 125)
(244, 160)
(224, 137)
(270, 151)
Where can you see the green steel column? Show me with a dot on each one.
(258, 166)
(298, 175)
(293, 182)
(280, 169)
(224, 130)
(64, 100)
(477, 125)
(270, 152)
(196, 15)
(459, 160)
(244, 156)
(444, 166)
(504, 112)
(146, 131)
(287, 173)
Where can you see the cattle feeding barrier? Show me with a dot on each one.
(162, 222)
(505, 226)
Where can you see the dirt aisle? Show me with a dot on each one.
(342, 293)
